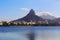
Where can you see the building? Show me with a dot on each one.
(1, 23)
(46, 22)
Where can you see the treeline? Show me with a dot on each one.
(6, 24)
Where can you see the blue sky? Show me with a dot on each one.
(14, 9)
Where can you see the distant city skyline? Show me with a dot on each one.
(14, 9)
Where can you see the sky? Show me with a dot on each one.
(14, 9)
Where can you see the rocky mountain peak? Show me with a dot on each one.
(30, 16)
(32, 12)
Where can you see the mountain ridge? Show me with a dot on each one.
(30, 16)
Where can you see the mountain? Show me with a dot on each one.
(46, 15)
(30, 16)
(57, 20)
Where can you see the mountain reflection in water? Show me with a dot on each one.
(30, 33)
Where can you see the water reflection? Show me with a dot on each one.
(44, 34)
(31, 34)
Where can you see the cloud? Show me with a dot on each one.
(25, 9)
(43, 13)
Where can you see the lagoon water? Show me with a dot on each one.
(21, 32)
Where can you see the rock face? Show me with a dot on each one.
(30, 16)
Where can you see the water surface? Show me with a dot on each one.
(21, 32)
